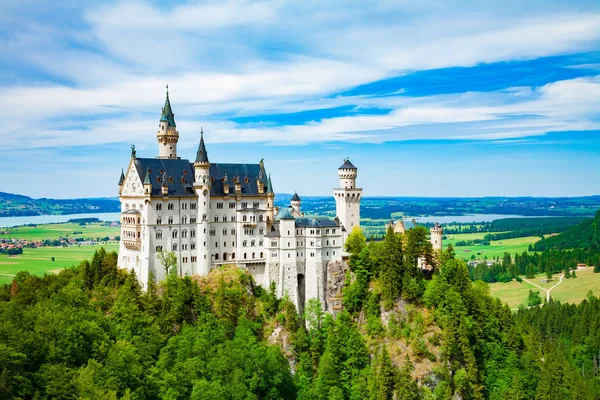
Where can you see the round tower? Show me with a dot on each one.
(167, 134)
(436, 236)
(202, 187)
(296, 203)
(347, 198)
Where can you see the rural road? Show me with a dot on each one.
(546, 290)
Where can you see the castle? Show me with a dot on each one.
(209, 214)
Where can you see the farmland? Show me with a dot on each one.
(495, 249)
(38, 261)
(55, 231)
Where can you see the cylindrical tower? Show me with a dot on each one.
(167, 134)
(202, 187)
(436, 236)
(347, 198)
(296, 203)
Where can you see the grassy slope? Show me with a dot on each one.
(570, 290)
(39, 261)
(495, 249)
(54, 231)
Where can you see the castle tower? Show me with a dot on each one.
(295, 203)
(270, 203)
(202, 187)
(347, 198)
(167, 134)
(436, 236)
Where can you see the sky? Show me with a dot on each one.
(426, 98)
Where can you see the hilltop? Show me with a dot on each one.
(585, 235)
(15, 205)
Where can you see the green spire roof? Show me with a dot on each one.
(201, 155)
(167, 113)
(147, 178)
(269, 185)
(122, 178)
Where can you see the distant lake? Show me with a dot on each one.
(46, 219)
(471, 218)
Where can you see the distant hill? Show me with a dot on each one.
(586, 236)
(16, 205)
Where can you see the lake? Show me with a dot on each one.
(45, 219)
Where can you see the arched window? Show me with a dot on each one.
(224, 256)
(244, 218)
(253, 255)
(245, 257)
(159, 221)
(252, 243)
(170, 220)
(216, 256)
(174, 235)
(260, 218)
(261, 254)
(174, 246)
(159, 234)
(193, 233)
(245, 243)
(183, 233)
(233, 256)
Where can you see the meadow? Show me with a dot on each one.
(55, 231)
(38, 261)
(572, 290)
(495, 249)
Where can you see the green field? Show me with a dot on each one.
(571, 290)
(55, 231)
(39, 260)
(495, 249)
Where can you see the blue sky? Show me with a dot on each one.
(427, 98)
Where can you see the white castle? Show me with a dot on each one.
(209, 214)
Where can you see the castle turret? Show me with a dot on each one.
(167, 134)
(296, 203)
(436, 236)
(270, 202)
(147, 184)
(121, 181)
(202, 185)
(347, 198)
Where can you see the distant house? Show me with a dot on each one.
(581, 265)
(545, 280)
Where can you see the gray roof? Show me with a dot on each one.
(274, 231)
(347, 165)
(295, 197)
(122, 178)
(167, 113)
(180, 176)
(201, 155)
(316, 223)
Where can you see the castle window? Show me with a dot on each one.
(261, 231)
(193, 246)
(192, 233)
(158, 207)
(184, 247)
(216, 244)
(192, 206)
(334, 253)
(253, 243)
(192, 220)
(232, 244)
(232, 204)
(273, 243)
(216, 219)
(333, 231)
(256, 204)
(184, 206)
(289, 255)
(204, 217)
(334, 242)
(159, 234)
(224, 244)
(184, 220)
(233, 256)
(245, 256)
(216, 256)
(245, 243)
(194, 258)
(170, 220)
(260, 242)
(261, 254)
(174, 235)
(244, 218)
(183, 233)
(244, 204)
(233, 231)
(158, 248)
(158, 221)
(219, 205)
(212, 232)
(174, 246)
(253, 255)
(170, 206)
(224, 231)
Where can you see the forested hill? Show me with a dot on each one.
(585, 236)
(15, 205)
(90, 332)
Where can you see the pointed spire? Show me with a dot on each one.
(147, 178)
(122, 178)
(269, 185)
(167, 112)
(201, 155)
(295, 197)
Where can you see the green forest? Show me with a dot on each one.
(91, 332)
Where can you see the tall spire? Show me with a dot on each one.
(147, 177)
(167, 112)
(122, 178)
(269, 185)
(202, 155)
